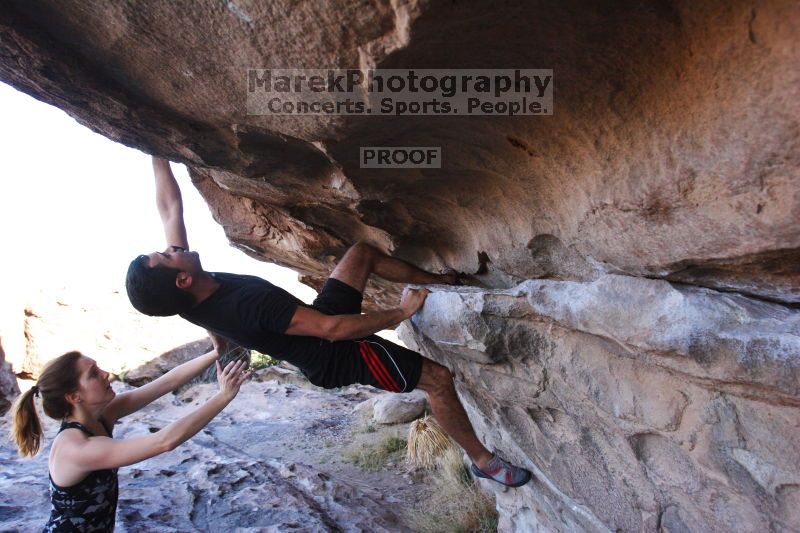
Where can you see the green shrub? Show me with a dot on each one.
(375, 456)
(259, 360)
(393, 444)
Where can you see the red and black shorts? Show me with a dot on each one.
(370, 361)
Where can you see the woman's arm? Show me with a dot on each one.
(131, 401)
(85, 454)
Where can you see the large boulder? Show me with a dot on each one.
(637, 404)
(635, 342)
(396, 408)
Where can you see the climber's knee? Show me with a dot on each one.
(362, 251)
(356, 265)
(436, 379)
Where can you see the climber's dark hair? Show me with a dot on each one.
(152, 290)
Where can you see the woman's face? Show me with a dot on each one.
(93, 385)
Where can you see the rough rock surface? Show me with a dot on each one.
(673, 150)
(638, 404)
(8, 383)
(399, 408)
(673, 154)
(250, 469)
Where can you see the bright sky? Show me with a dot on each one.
(75, 207)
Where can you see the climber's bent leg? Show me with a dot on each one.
(361, 260)
(437, 381)
(370, 361)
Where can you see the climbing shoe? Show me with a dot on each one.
(503, 472)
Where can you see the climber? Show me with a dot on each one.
(84, 456)
(330, 341)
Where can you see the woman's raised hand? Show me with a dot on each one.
(232, 376)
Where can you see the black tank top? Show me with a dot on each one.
(90, 504)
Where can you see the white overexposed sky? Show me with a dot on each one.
(75, 207)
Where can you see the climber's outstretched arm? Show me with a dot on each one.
(170, 204)
(310, 322)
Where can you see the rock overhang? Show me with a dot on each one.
(650, 165)
(635, 341)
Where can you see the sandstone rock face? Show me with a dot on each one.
(636, 340)
(672, 151)
(637, 404)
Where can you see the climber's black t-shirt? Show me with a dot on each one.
(255, 314)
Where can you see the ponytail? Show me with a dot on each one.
(26, 430)
(58, 378)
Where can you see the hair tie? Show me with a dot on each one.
(35, 390)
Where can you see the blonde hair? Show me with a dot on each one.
(59, 377)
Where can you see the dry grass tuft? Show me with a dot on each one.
(455, 503)
(426, 442)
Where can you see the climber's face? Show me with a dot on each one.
(176, 257)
